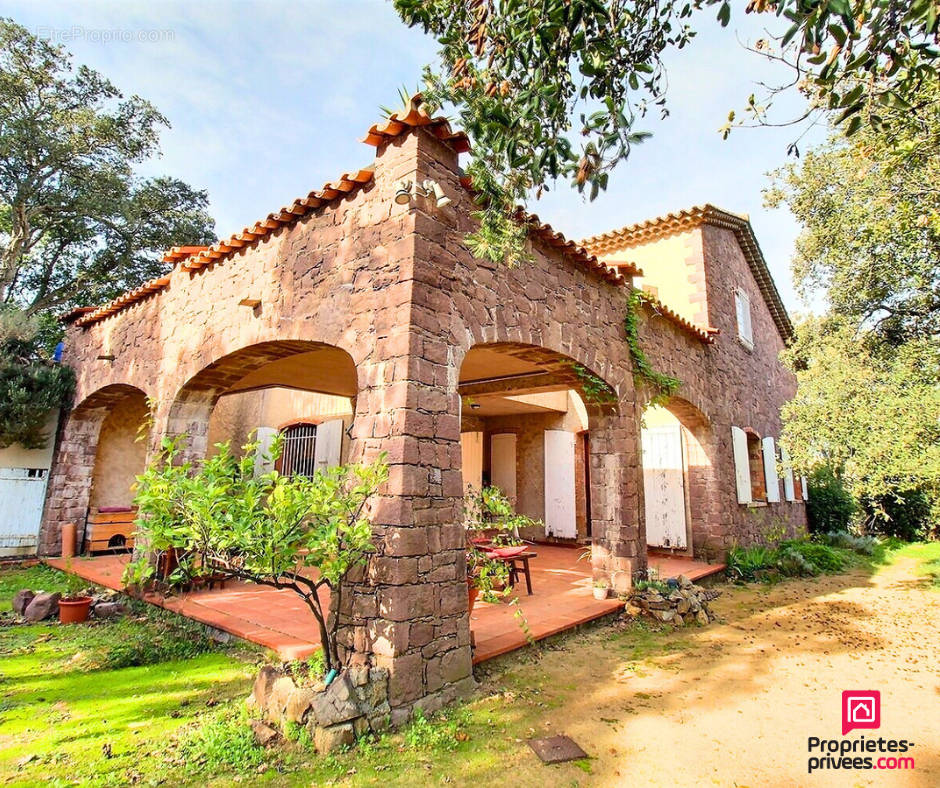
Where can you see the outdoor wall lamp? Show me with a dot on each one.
(408, 191)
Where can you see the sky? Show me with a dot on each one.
(267, 101)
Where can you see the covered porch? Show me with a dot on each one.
(561, 599)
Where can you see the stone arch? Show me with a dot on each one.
(698, 475)
(530, 390)
(292, 364)
(98, 456)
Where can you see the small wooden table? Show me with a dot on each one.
(519, 563)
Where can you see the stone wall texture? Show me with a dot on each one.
(395, 288)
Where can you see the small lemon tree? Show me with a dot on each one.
(221, 518)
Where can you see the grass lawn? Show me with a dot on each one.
(151, 700)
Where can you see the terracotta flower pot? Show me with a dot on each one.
(473, 592)
(74, 611)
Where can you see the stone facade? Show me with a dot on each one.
(385, 302)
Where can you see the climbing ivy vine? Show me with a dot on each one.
(663, 386)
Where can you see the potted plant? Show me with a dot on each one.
(601, 588)
(75, 605)
(486, 576)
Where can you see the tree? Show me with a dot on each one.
(30, 385)
(77, 227)
(303, 534)
(868, 411)
(869, 207)
(551, 89)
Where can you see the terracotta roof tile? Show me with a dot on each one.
(706, 334)
(145, 290)
(413, 116)
(672, 223)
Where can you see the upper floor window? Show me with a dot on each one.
(742, 308)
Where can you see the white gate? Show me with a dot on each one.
(664, 487)
(22, 491)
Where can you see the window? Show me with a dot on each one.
(742, 307)
(298, 454)
(755, 459)
(748, 466)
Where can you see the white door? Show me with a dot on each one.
(664, 487)
(503, 464)
(22, 491)
(471, 452)
(559, 485)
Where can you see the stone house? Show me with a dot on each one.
(356, 319)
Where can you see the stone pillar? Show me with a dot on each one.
(617, 517)
(69, 488)
(408, 611)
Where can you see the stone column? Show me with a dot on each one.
(408, 611)
(617, 522)
(69, 488)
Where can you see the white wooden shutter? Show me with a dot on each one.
(742, 469)
(503, 463)
(805, 488)
(560, 518)
(770, 470)
(788, 492)
(265, 437)
(328, 449)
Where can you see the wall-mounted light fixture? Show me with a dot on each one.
(106, 357)
(251, 302)
(409, 191)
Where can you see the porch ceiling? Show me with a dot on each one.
(325, 371)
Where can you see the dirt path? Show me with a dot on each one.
(735, 704)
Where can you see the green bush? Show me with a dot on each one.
(830, 506)
(864, 545)
(745, 562)
(905, 514)
(822, 556)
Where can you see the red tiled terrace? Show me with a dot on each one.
(562, 599)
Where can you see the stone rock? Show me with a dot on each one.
(108, 610)
(633, 609)
(21, 601)
(264, 682)
(327, 740)
(264, 733)
(701, 617)
(664, 615)
(42, 606)
(359, 675)
(660, 605)
(683, 606)
(684, 582)
(280, 693)
(679, 621)
(336, 704)
(298, 705)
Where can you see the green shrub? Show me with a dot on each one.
(792, 563)
(864, 545)
(745, 562)
(830, 506)
(905, 514)
(822, 556)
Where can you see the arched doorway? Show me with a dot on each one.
(680, 501)
(524, 429)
